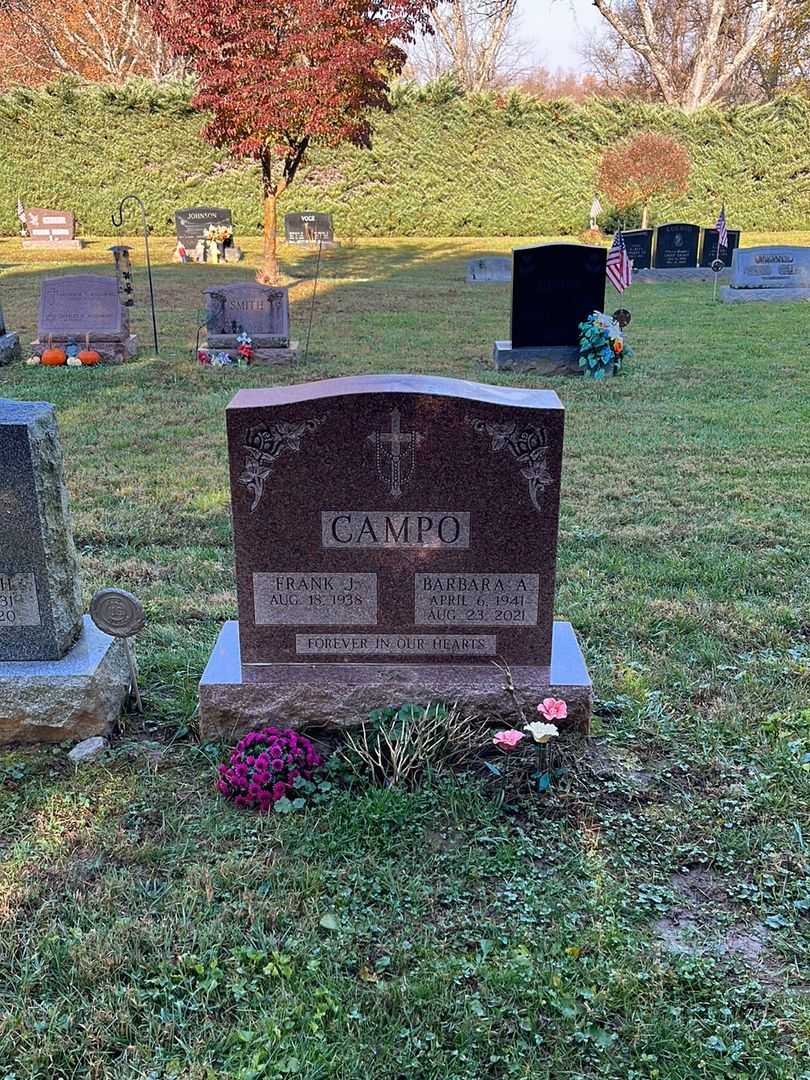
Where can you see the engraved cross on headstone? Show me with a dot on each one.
(395, 448)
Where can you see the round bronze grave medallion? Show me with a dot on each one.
(117, 613)
(718, 266)
(622, 317)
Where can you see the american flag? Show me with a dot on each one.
(722, 230)
(619, 267)
(21, 216)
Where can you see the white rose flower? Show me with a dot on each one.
(542, 733)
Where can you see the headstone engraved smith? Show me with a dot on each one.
(394, 535)
(59, 676)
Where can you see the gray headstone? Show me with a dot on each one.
(80, 304)
(776, 267)
(308, 228)
(491, 268)
(261, 311)
(40, 595)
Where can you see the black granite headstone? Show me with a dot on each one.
(676, 246)
(708, 251)
(190, 224)
(308, 228)
(638, 243)
(555, 287)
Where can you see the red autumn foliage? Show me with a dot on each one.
(279, 75)
(635, 170)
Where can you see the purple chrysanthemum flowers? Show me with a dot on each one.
(263, 766)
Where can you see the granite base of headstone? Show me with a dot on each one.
(50, 229)
(555, 287)
(491, 269)
(60, 677)
(85, 309)
(262, 312)
(395, 536)
(9, 344)
(771, 275)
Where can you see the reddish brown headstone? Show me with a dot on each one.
(391, 524)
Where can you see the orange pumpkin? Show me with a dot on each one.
(54, 357)
(89, 357)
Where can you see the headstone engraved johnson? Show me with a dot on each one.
(60, 678)
(676, 246)
(394, 535)
(191, 224)
(555, 287)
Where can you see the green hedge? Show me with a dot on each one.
(441, 165)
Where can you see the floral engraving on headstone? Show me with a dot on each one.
(527, 444)
(264, 445)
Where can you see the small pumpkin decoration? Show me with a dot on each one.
(90, 357)
(54, 357)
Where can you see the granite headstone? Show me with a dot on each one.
(676, 246)
(308, 228)
(9, 343)
(262, 311)
(53, 228)
(60, 677)
(708, 247)
(40, 598)
(191, 223)
(370, 517)
(773, 274)
(638, 243)
(87, 308)
(555, 287)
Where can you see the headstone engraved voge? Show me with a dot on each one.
(555, 287)
(52, 228)
(87, 308)
(676, 246)
(309, 228)
(59, 677)
(394, 535)
(774, 274)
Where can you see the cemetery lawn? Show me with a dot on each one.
(648, 919)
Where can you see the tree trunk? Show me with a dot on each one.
(267, 274)
(645, 216)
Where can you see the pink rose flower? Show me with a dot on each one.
(553, 708)
(508, 740)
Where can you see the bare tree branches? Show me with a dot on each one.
(696, 49)
(474, 39)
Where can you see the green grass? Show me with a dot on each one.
(647, 921)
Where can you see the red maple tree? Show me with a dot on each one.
(280, 75)
(634, 171)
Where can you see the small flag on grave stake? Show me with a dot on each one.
(722, 230)
(619, 268)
